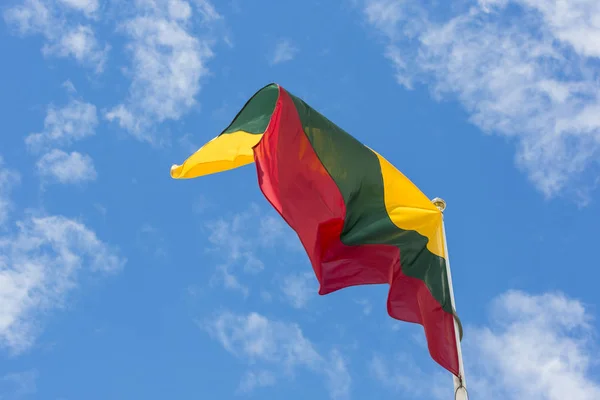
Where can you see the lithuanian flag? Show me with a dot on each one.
(359, 219)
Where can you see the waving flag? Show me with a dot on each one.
(359, 219)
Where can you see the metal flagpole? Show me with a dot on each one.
(460, 384)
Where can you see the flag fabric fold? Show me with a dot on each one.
(360, 220)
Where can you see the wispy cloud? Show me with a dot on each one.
(88, 7)
(59, 166)
(522, 68)
(284, 51)
(64, 126)
(60, 24)
(8, 179)
(280, 347)
(39, 265)
(402, 374)
(169, 43)
(299, 288)
(240, 238)
(232, 238)
(69, 87)
(535, 347)
(273, 231)
(207, 11)
(168, 63)
(339, 381)
(256, 379)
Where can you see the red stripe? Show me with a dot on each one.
(294, 181)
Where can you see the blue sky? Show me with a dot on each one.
(117, 282)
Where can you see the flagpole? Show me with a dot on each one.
(460, 384)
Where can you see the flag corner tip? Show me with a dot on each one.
(175, 171)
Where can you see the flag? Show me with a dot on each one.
(360, 220)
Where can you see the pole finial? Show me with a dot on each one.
(439, 203)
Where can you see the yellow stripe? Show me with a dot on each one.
(225, 152)
(409, 208)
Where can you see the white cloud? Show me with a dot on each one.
(59, 23)
(526, 73)
(208, 11)
(536, 347)
(69, 86)
(88, 7)
(384, 15)
(63, 126)
(32, 16)
(168, 63)
(238, 240)
(273, 231)
(284, 51)
(80, 43)
(179, 9)
(574, 23)
(401, 374)
(256, 379)
(234, 238)
(299, 288)
(8, 179)
(66, 168)
(229, 238)
(39, 265)
(258, 338)
(230, 280)
(281, 345)
(339, 381)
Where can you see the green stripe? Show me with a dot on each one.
(254, 117)
(357, 173)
